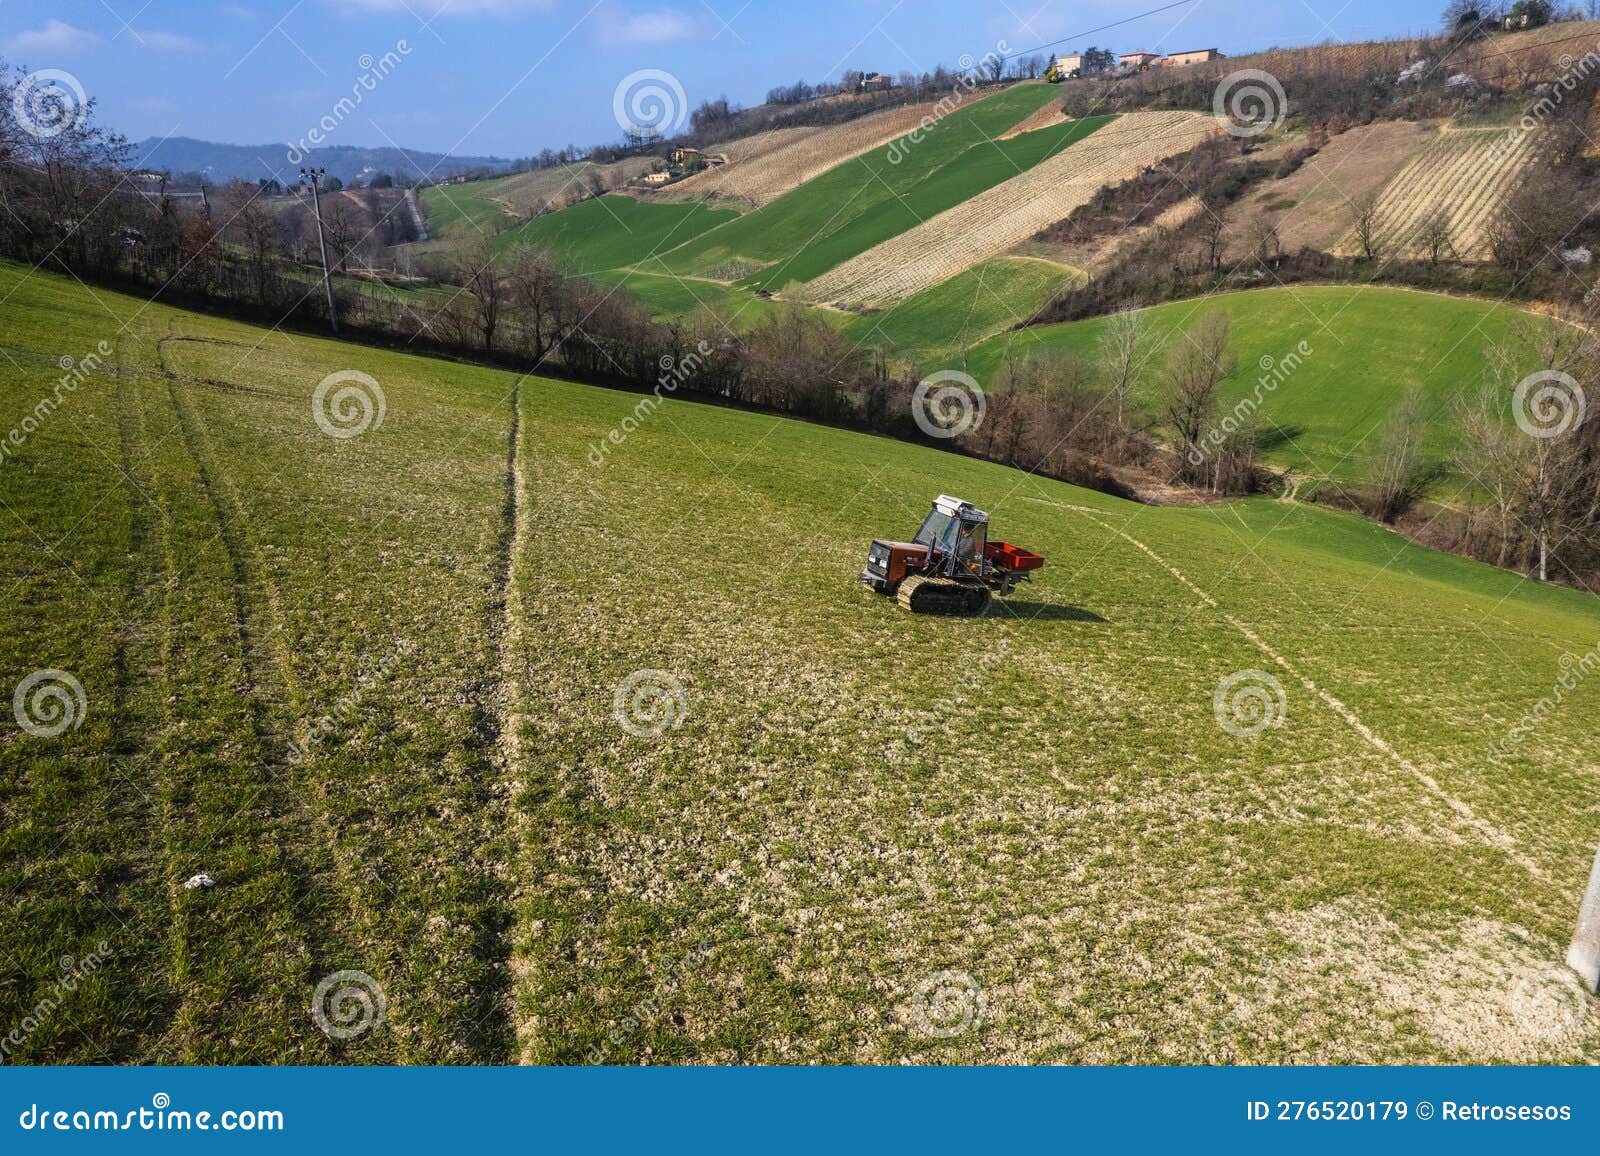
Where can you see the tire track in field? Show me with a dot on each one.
(1490, 834)
(506, 632)
(446, 887)
(273, 806)
(135, 806)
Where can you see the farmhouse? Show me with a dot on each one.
(1069, 63)
(660, 178)
(1138, 60)
(1197, 56)
(874, 82)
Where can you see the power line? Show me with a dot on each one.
(1102, 28)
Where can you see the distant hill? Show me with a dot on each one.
(222, 162)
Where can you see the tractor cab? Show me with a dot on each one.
(955, 533)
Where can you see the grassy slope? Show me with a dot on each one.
(850, 208)
(671, 297)
(614, 231)
(233, 574)
(1074, 831)
(1368, 344)
(465, 209)
(933, 327)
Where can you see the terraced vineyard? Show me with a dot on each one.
(1045, 117)
(855, 205)
(930, 329)
(1464, 171)
(775, 862)
(785, 159)
(988, 224)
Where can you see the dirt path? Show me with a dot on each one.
(1490, 834)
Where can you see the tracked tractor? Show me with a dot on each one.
(950, 566)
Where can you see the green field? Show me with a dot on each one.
(613, 232)
(467, 210)
(862, 202)
(671, 298)
(1367, 345)
(935, 326)
(853, 799)
(479, 208)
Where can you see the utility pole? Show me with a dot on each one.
(315, 176)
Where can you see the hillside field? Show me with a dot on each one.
(1007, 214)
(613, 232)
(377, 687)
(856, 205)
(932, 328)
(1368, 345)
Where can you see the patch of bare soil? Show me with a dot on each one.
(1311, 206)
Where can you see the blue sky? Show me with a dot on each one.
(509, 77)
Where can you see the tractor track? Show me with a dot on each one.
(147, 806)
(506, 631)
(1490, 834)
(261, 657)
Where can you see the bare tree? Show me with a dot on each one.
(1214, 236)
(1125, 347)
(1262, 242)
(1529, 441)
(1486, 452)
(1399, 474)
(338, 228)
(1364, 223)
(486, 288)
(255, 229)
(1196, 366)
(541, 299)
(1433, 236)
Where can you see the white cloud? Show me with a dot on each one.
(431, 9)
(55, 36)
(167, 41)
(655, 28)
